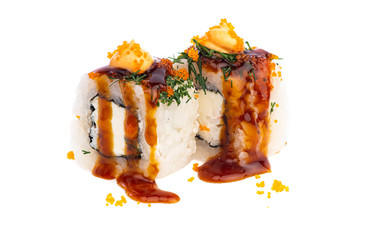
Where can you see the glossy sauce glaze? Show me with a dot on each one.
(245, 134)
(105, 167)
(131, 178)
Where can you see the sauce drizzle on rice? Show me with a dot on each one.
(247, 96)
(137, 186)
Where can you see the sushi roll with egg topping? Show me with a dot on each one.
(137, 122)
(241, 101)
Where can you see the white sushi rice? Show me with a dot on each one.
(278, 129)
(210, 117)
(176, 130)
(80, 128)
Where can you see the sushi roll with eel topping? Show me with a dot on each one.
(241, 104)
(136, 122)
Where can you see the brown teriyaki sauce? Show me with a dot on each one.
(131, 178)
(247, 94)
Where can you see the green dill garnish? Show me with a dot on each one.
(251, 72)
(210, 53)
(198, 74)
(272, 107)
(85, 152)
(248, 46)
(226, 72)
(132, 77)
(176, 60)
(180, 90)
(194, 69)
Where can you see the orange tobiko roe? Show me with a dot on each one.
(70, 155)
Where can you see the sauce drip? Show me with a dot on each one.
(150, 131)
(131, 127)
(144, 189)
(105, 167)
(131, 178)
(245, 133)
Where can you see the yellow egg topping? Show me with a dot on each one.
(223, 38)
(130, 56)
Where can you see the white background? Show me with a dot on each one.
(332, 163)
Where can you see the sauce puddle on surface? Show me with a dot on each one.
(131, 178)
(142, 189)
(245, 133)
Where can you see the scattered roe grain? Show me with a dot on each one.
(70, 155)
(276, 187)
(192, 53)
(110, 199)
(279, 187)
(204, 128)
(182, 74)
(261, 184)
(195, 167)
(122, 201)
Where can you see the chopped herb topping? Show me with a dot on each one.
(195, 63)
(276, 58)
(248, 45)
(133, 77)
(210, 53)
(177, 88)
(226, 72)
(272, 107)
(251, 72)
(194, 68)
(85, 152)
(176, 60)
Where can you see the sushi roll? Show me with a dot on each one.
(241, 104)
(137, 121)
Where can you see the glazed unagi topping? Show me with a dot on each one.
(247, 94)
(131, 178)
(153, 79)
